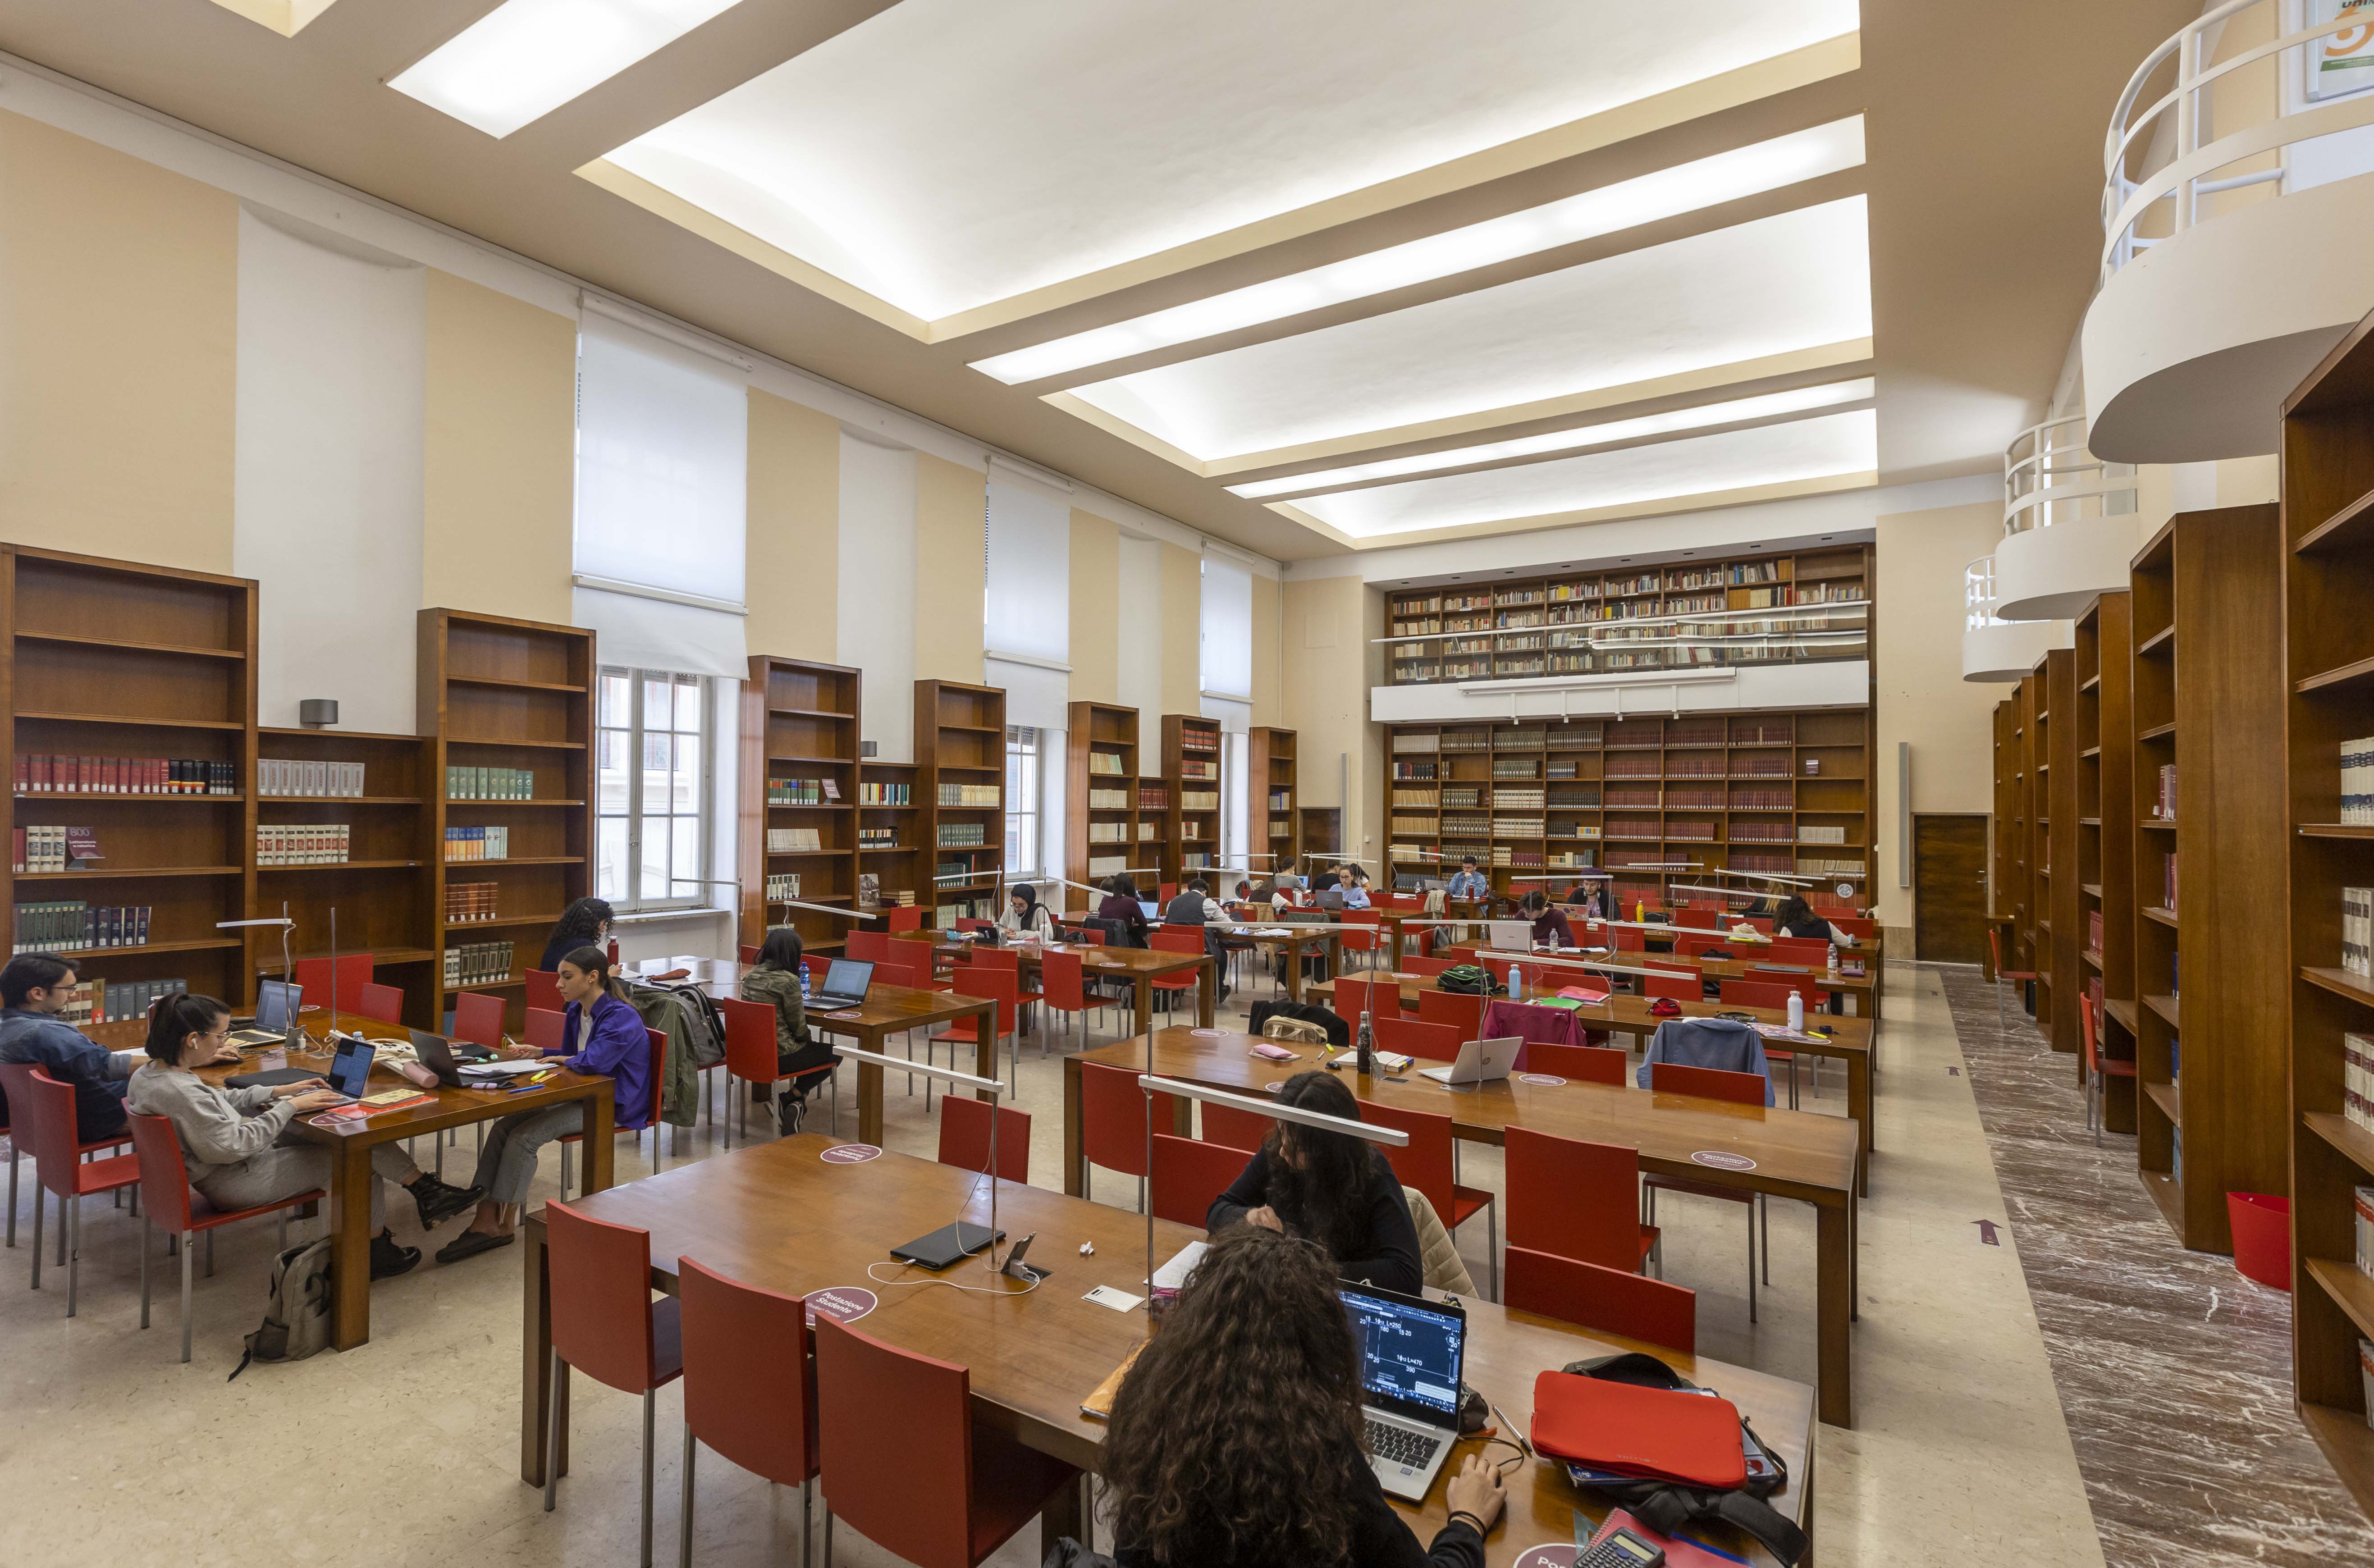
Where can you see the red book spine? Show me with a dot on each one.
(24, 773)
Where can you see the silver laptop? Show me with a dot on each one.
(1480, 1062)
(1512, 936)
(1411, 1351)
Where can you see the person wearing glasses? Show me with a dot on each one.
(1468, 883)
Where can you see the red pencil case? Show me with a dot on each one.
(1655, 1434)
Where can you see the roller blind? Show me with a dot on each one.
(1027, 599)
(1227, 628)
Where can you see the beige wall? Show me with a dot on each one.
(1095, 609)
(1269, 701)
(119, 298)
(1182, 619)
(949, 499)
(1324, 666)
(1917, 656)
(500, 486)
(794, 530)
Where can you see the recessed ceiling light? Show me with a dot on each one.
(526, 58)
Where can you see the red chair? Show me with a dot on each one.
(749, 1389)
(1691, 946)
(1367, 939)
(1682, 985)
(1430, 1042)
(1233, 1129)
(905, 917)
(1854, 926)
(354, 971)
(1800, 950)
(1461, 1010)
(912, 965)
(869, 945)
(45, 1107)
(1629, 939)
(1010, 960)
(1755, 993)
(1459, 955)
(1173, 940)
(959, 1490)
(1165, 892)
(1112, 1123)
(1609, 1300)
(1567, 1197)
(569, 1141)
(606, 1325)
(1352, 997)
(165, 1189)
(1423, 966)
(1583, 1064)
(382, 1003)
(964, 1138)
(543, 990)
(2098, 1067)
(750, 955)
(1064, 987)
(546, 1030)
(1188, 1174)
(1994, 953)
(1714, 1083)
(750, 1057)
(1003, 987)
(478, 1018)
(1697, 918)
(1756, 922)
(21, 1142)
(967, 923)
(1427, 1163)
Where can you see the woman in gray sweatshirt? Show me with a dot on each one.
(236, 1140)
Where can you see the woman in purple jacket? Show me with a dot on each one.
(601, 1035)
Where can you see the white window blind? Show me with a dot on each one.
(1227, 628)
(1027, 599)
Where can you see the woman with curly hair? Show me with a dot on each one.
(1330, 1187)
(1236, 1439)
(586, 923)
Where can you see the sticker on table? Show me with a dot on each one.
(1274, 1088)
(847, 1015)
(1207, 1034)
(1546, 1080)
(842, 1304)
(1557, 1554)
(849, 1154)
(1718, 1160)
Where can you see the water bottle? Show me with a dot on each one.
(803, 982)
(1796, 1012)
(1516, 983)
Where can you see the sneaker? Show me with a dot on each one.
(791, 1113)
(440, 1202)
(387, 1259)
(469, 1244)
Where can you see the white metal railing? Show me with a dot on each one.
(1979, 595)
(2318, 69)
(2050, 476)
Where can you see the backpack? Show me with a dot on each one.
(297, 1323)
(1301, 1031)
(1469, 979)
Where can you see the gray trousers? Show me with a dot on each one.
(507, 1164)
(289, 1167)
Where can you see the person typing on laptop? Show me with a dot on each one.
(1330, 1187)
(1237, 1438)
(33, 987)
(774, 980)
(1550, 929)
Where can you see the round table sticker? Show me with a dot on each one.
(1207, 1034)
(842, 1304)
(1718, 1160)
(1546, 1079)
(849, 1154)
(843, 1016)
(1274, 1088)
(1559, 1554)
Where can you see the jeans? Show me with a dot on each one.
(507, 1164)
(289, 1167)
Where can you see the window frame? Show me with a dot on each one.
(631, 900)
(1034, 813)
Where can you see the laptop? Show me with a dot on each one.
(845, 984)
(1511, 936)
(1480, 1062)
(277, 1005)
(350, 1068)
(1153, 910)
(1412, 1353)
(443, 1058)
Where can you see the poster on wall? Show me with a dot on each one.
(2340, 63)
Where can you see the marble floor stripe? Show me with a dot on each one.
(2174, 1371)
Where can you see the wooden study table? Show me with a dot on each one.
(1792, 1154)
(1139, 966)
(777, 1216)
(1864, 987)
(894, 1010)
(351, 1142)
(1296, 946)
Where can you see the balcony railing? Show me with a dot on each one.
(2050, 477)
(1979, 595)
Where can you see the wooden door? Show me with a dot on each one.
(1949, 889)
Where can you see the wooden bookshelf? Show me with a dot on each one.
(960, 744)
(2059, 936)
(2205, 597)
(2327, 568)
(1272, 808)
(2033, 845)
(1191, 770)
(1758, 791)
(1594, 619)
(2106, 851)
(2003, 852)
(1101, 764)
(799, 775)
(896, 864)
(171, 674)
(495, 692)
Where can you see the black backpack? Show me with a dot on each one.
(1469, 979)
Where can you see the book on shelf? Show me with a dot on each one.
(1199, 799)
(323, 781)
(1151, 798)
(984, 795)
(489, 784)
(73, 926)
(122, 1002)
(869, 891)
(2167, 882)
(1107, 865)
(466, 902)
(1105, 762)
(52, 773)
(796, 791)
(2366, 1377)
(1108, 799)
(877, 839)
(782, 884)
(477, 844)
(2357, 782)
(1147, 832)
(792, 840)
(2361, 1206)
(831, 790)
(963, 835)
(477, 964)
(874, 792)
(2093, 932)
(303, 843)
(2358, 1080)
(2357, 930)
(2164, 806)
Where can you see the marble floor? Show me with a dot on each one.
(404, 1451)
(2174, 1371)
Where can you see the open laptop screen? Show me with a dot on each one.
(1410, 1354)
(277, 1004)
(848, 977)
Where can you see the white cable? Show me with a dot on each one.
(979, 1290)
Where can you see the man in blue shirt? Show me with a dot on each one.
(33, 987)
(1469, 884)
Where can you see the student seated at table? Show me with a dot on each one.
(1331, 1187)
(774, 981)
(237, 1141)
(1347, 893)
(1121, 907)
(1797, 918)
(1467, 883)
(1550, 929)
(1236, 1439)
(1593, 898)
(33, 989)
(586, 923)
(1194, 905)
(1025, 915)
(602, 1035)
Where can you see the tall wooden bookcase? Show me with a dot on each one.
(2059, 983)
(799, 776)
(2106, 851)
(960, 776)
(890, 847)
(1190, 773)
(109, 658)
(2327, 534)
(2206, 600)
(2005, 857)
(1101, 784)
(495, 692)
(1273, 810)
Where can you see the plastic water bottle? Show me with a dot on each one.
(1516, 983)
(1796, 1012)
(803, 982)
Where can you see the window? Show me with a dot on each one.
(1022, 842)
(652, 771)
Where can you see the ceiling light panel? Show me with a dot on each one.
(526, 58)
(1770, 406)
(1795, 281)
(1668, 193)
(945, 154)
(1827, 446)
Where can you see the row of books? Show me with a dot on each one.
(782, 884)
(1108, 833)
(116, 1001)
(323, 781)
(2356, 931)
(1105, 762)
(2167, 882)
(466, 902)
(792, 840)
(50, 773)
(873, 792)
(483, 783)
(1199, 799)
(1821, 834)
(801, 791)
(877, 839)
(1152, 798)
(2164, 806)
(1199, 770)
(1810, 865)
(73, 926)
(2358, 1080)
(969, 794)
(1281, 800)
(963, 835)
(2093, 932)
(45, 848)
(1194, 740)
(303, 843)
(477, 844)
(946, 915)
(478, 964)
(2357, 782)
(1108, 799)
(870, 894)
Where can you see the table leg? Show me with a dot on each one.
(1066, 1513)
(1072, 1125)
(1334, 954)
(1860, 1107)
(1206, 990)
(1394, 943)
(350, 1245)
(984, 1048)
(1144, 1020)
(869, 1102)
(1834, 1247)
(536, 1391)
(1291, 955)
(602, 1141)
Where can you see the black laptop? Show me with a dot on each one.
(444, 1058)
(845, 984)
